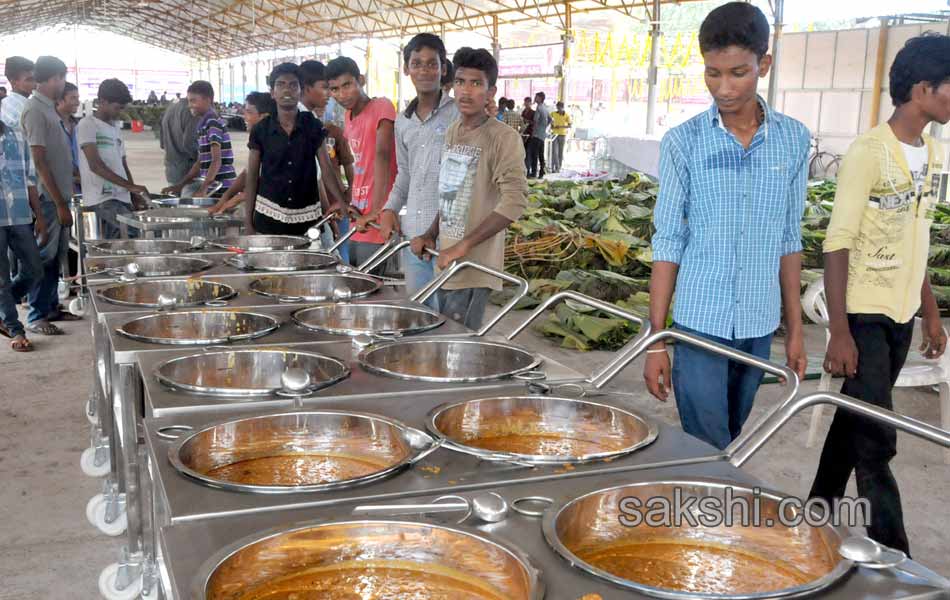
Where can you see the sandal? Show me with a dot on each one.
(21, 344)
(5, 332)
(44, 328)
(63, 315)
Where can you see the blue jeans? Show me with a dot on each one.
(713, 394)
(21, 244)
(344, 225)
(44, 297)
(418, 273)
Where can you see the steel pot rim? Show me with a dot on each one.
(272, 326)
(201, 264)
(239, 263)
(248, 393)
(439, 319)
(414, 456)
(199, 587)
(102, 246)
(549, 529)
(540, 459)
(294, 242)
(254, 286)
(228, 295)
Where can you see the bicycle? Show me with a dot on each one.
(822, 165)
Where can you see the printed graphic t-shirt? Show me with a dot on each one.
(482, 172)
(360, 133)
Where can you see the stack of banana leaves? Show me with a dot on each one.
(594, 238)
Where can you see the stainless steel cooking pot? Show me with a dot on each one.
(260, 243)
(367, 317)
(448, 360)
(369, 558)
(149, 266)
(608, 534)
(140, 247)
(177, 215)
(195, 327)
(175, 201)
(315, 287)
(249, 372)
(302, 451)
(540, 429)
(283, 260)
(168, 293)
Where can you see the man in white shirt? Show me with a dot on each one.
(108, 193)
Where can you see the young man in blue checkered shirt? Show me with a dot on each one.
(728, 239)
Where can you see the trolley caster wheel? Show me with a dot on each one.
(91, 508)
(77, 306)
(96, 513)
(92, 417)
(87, 462)
(107, 582)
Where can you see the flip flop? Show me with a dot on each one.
(63, 315)
(21, 344)
(5, 332)
(47, 329)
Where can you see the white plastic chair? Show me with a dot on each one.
(917, 372)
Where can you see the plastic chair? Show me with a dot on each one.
(917, 372)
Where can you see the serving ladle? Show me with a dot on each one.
(874, 555)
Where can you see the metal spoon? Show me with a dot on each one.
(295, 381)
(873, 555)
(488, 507)
(166, 302)
(342, 293)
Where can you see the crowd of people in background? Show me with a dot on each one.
(450, 172)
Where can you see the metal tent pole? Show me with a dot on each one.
(652, 78)
(779, 10)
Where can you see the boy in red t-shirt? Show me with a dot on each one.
(369, 132)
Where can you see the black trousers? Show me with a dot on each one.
(535, 156)
(866, 447)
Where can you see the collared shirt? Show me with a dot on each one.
(418, 152)
(513, 119)
(212, 130)
(43, 127)
(727, 215)
(288, 178)
(16, 166)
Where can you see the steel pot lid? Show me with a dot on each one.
(692, 560)
(315, 287)
(540, 429)
(174, 201)
(394, 559)
(261, 243)
(199, 327)
(355, 318)
(284, 260)
(140, 246)
(302, 451)
(251, 372)
(151, 266)
(447, 360)
(184, 292)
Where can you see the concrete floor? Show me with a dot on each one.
(48, 550)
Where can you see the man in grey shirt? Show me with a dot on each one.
(542, 119)
(53, 159)
(420, 136)
(179, 139)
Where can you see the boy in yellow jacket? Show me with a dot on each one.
(876, 277)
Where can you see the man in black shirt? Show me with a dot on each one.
(281, 185)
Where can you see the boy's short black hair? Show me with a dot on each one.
(926, 59)
(70, 87)
(559, 104)
(342, 65)
(735, 24)
(48, 67)
(114, 90)
(263, 102)
(202, 88)
(477, 58)
(424, 40)
(287, 68)
(449, 77)
(312, 71)
(16, 66)
(541, 95)
(527, 98)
